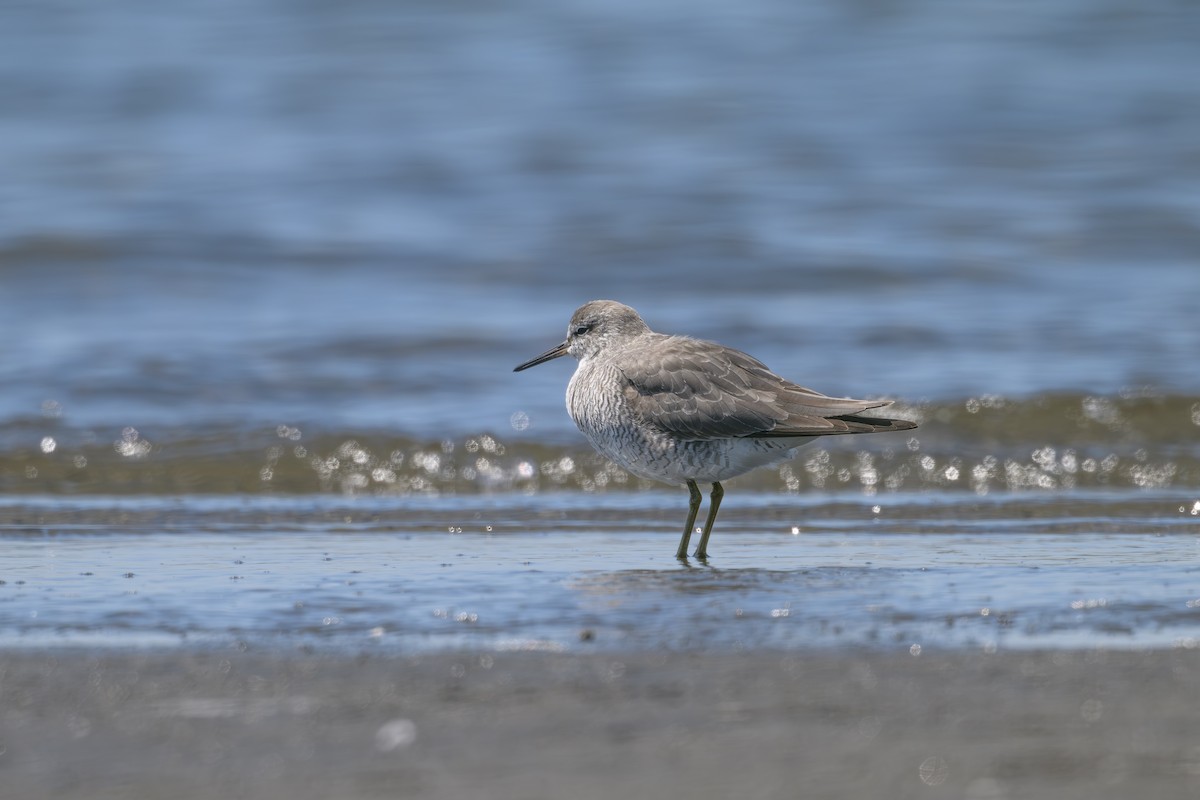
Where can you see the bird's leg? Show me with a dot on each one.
(693, 510)
(714, 502)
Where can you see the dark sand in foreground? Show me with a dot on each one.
(188, 724)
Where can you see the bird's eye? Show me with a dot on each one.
(582, 329)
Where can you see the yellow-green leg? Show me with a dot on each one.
(693, 510)
(714, 502)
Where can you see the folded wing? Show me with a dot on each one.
(697, 390)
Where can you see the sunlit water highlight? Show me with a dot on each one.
(575, 571)
(1137, 440)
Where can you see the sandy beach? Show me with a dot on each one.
(192, 724)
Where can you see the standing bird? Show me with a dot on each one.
(682, 410)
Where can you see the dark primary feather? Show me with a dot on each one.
(697, 390)
(849, 423)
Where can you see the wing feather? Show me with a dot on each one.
(698, 390)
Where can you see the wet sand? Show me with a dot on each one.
(760, 724)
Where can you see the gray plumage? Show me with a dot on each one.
(682, 410)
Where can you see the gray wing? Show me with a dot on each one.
(699, 390)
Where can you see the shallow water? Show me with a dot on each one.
(577, 571)
(265, 271)
(1136, 441)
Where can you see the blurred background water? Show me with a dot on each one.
(265, 247)
(351, 221)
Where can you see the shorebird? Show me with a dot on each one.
(686, 411)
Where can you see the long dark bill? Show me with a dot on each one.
(552, 353)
